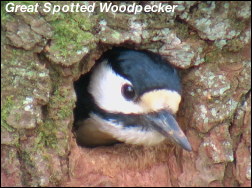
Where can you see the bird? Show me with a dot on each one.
(129, 96)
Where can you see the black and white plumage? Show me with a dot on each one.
(129, 96)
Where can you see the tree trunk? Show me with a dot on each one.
(44, 53)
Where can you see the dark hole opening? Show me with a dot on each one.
(96, 125)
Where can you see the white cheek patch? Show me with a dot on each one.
(106, 89)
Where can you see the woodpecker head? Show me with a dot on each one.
(133, 97)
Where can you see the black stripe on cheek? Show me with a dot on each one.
(141, 121)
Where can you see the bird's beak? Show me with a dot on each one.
(165, 123)
(163, 120)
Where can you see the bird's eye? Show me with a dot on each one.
(128, 91)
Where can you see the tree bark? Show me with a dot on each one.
(44, 53)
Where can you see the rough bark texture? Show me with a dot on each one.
(43, 54)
